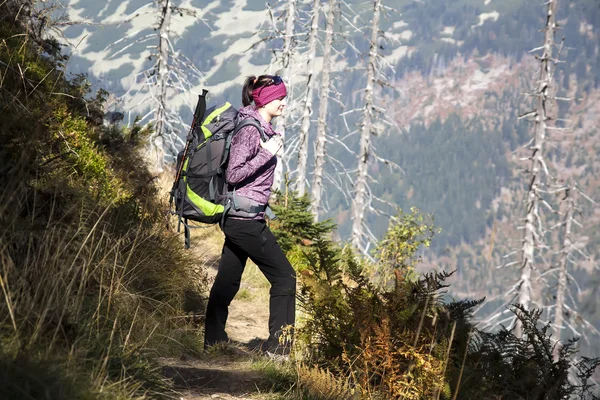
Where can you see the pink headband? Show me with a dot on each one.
(266, 94)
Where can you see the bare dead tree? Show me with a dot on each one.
(559, 307)
(162, 74)
(343, 179)
(321, 141)
(170, 72)
(566, 315)
(533, 237)
(360, 200)
(527, 289)
(285, 62)
(302, 166)
(534, 255)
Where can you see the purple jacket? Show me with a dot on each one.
(251, 169)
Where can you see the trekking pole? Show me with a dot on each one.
(198, 117)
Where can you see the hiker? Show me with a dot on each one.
(250, 174)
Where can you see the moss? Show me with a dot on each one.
(91, 164)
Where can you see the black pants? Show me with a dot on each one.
(251, 239)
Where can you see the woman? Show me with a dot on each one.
(250, 173)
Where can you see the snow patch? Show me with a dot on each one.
(485, 16)
(406, 35)
(443, 87)
(505, 197)
(237, 21)
(586, 29)
(448, 30)
(399, 37)
(399, 24)
(448, 40)
(481, 80)
(103, 61)
(486, 2)
(399, 52)
(231, 22)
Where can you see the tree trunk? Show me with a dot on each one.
(290, 21)
(360, 198)
(307, 105)
(162, 71)
(532, 219)
(559, 307)
(317, 183)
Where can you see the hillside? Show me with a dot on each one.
(99, 300)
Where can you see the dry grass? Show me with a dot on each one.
(91, 285)
(320, 384)
(104, 298)
(255, 279)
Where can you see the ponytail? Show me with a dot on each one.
(247, 98)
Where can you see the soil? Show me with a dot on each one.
(216, 378)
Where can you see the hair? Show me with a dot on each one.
(251, 83)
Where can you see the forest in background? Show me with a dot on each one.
(495, 127)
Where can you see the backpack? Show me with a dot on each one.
(200, 191)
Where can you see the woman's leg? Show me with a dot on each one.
(256, 239)
(282, 304)
(224, 289)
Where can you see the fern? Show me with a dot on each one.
(394, 336)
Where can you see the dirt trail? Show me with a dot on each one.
(222, 378)
(227, 377)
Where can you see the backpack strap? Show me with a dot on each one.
(252, 122)
(241, 124)
(270, 213)
(186, 233)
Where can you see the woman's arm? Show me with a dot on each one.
(246, 156)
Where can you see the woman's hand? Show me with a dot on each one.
(274, 145)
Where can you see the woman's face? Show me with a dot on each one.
(276, 107)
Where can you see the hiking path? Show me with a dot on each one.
(229, 374)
